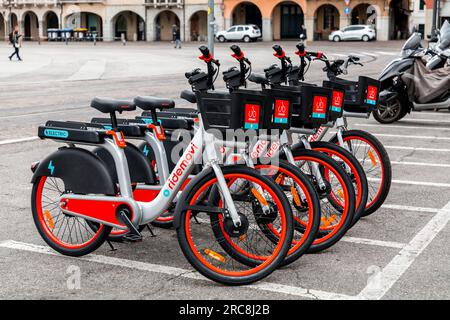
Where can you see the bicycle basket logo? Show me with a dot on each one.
(52, 133)
(372, 93)
(281, 111)
(251, 116)
(319, 107)
(337, 101)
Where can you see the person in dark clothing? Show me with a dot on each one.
(178, 39)
(16, 43)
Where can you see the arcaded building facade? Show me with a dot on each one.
(153, 20)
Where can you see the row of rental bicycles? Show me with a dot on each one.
(245, 179)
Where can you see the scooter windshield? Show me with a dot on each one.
(445, 36)
(413, 42)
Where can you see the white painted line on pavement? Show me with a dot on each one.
(412, 163)
(12, 141)
(385, 53)
(417, 149)
(428, 120)
(388, 244)
(43, 112)
(381, 283)
(409, 208)
(410, 136)
(421, 164)
(416, 183)
(178, 272)
(401, 127)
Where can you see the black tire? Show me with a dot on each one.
(336, 39)
(374, 202)
(365, 38)
(348, 161)
(222, 39)
(247, 39)
(183, 216)
(326, 240)
(100, 235)
(392, 112)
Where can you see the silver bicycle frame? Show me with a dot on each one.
(145, 213)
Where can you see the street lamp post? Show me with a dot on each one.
(434, 21)
(211, 26)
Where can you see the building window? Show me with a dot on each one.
(421, 4)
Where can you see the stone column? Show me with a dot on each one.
(107, 30)
(383, 28)
(309, 25)
(227, 24)
(344, 21)
(267, 29)
(42, 32)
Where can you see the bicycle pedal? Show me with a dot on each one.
(132, 238)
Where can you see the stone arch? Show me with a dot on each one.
(288, 17)
(198, 26)
(91, 21)
(30, 25)
(247, 12)
(129, 23)
(363, 13)
(13, 21)
(3, 35)
(326, 20)
(164, 24)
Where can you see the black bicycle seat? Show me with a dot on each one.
(153, 103)
(108, 105)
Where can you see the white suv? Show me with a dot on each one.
(245, 33)
(354, 32)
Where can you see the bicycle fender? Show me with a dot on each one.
(82, 171)
(182, 204)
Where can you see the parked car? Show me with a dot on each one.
(245, 33)
(354, 32)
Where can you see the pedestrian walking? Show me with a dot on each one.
(178, 39)
(16, 41)
(303, 33)
(174, 33)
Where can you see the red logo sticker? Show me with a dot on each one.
(281, 108)
(252, 113)
(372, 92)
(251, 116)
(320, 104)
(338, 99)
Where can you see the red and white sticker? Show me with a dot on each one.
(319, 107)
(281, 111)
(252, 116)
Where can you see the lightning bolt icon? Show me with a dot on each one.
(51, 167)
(145, 151)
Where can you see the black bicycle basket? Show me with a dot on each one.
(337, 99)
(361, 96)
(310, 104)
(243, 109)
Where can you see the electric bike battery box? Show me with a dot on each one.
(310, 104)
(361, 96)
(241, 109)
(337, 99)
